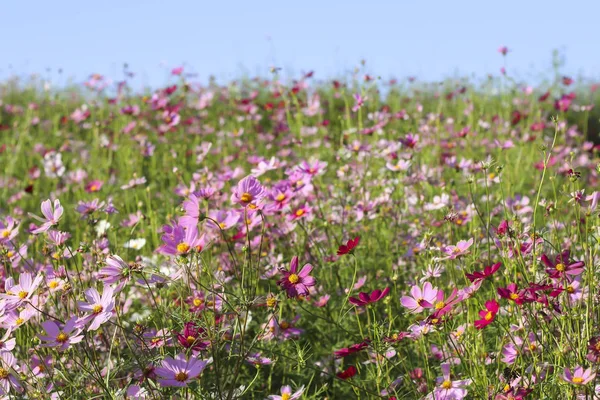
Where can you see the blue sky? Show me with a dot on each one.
(428, 39)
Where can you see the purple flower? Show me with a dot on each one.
(192, 211)
(180, 371)
(579, 376)
(52, 214)
(116, 271)
(61, 336)
(100, 307)
(248, 191)
(179, 240)
(224, 219)
(358, 102)
(562, 265)
(294, 282)
(8, 230)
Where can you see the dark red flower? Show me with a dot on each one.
(355, 348)
(481, 275)
(347, 373)
(562, 265)
(366, 298)
(348, 247)
(191, 337)
(512, 293)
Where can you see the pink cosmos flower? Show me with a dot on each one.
(420, 298)
(297, 283)
(94, 186)
(448, 389)
(248, 191)
(8, 230)
(116, 271)
(312, 168)
(52, 214)
(59, 335)
(358, 102)
(286, 394)
(488, 315)
(460, 249)
(579, 376)
(503, 50)
(100, 307)
(8, 380)
(20, 293)
(180, 371)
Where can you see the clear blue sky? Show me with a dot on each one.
(429, 39)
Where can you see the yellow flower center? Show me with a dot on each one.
(62, 337)
(198, 302)
(439, 305)
(221, 225)
(190, 340)
(570, 289)
(93, 188)
(97, 309)
(19, 321)
(181, 377)
(284, 325)
(272, 301)
(300, 212)
(489, 316)
(577, 379)
(280, 197)
(446, 384)
(10, 254)
(560, 267)
(23, 294)
(5, 233)
(53, 284)
(514, 296)
(3, 373)
(506, 388)
(155, 340)
(285, 396)
(532, 347)
(183, 247)
(293, 278)
(246, 197)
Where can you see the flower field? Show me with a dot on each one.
(314, 239)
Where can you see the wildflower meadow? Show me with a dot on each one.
(306, 238)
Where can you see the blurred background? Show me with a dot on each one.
(430, 40)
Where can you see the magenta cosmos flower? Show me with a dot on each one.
(59, 335)
(579, 376)
(420, 298)
(286, 394)
(52, 214)
(99, 307)
(248, 191)
(297, 283)
(180, 371)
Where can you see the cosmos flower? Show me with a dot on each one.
(420, 298)
(52, 214)
(366, 298)
(488, 315)
(99, 307)
(579, 376)
(248, 191)
(59, 335)
(286, 394)
(348, 247)
(180, 371)
(296, 283)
